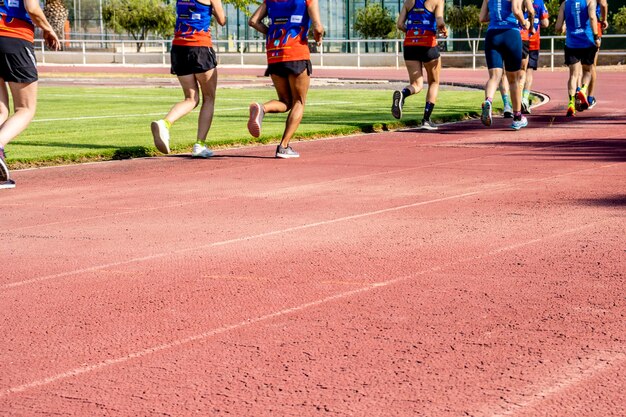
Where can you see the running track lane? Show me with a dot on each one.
(469, 272)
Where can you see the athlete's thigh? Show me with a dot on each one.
(189, 85)
(414, 68)
(24, 94)
(207, 81)
(4, 95)
(283, 89)
(433, 68)
(299, 85)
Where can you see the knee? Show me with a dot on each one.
(418, 85)
(287, 103)
(192, 101)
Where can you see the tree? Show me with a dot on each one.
(374, 22)
(56, 13)
(619, 20)
(465, 19)
(140, 17)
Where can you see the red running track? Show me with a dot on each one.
(469, 272)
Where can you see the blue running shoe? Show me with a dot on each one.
(485, 116)
(518, 124)
(592, 102)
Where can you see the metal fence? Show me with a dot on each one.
(333, 52)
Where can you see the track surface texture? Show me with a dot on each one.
(467, 272)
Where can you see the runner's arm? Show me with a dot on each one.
(401, 22)
(593, 20)
(484, 12)
(441, 25)
(218, 12)
(604, 13)
(560, 20)
(256, 20)
(39, 19)
(313, 8)
(528, 4)
(516, 8)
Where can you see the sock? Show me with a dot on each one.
(525, 94)
(167, 124)
(506, 100)
(517, 116)
(405, 93)
(572, 100)
(583, 89)
(489, 99)
(201, 142)
(428, 110)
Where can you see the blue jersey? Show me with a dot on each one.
(193, 23)
(578, 28)
(421, 26)
(287, 37)
(501, 15)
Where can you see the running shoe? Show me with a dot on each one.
(4, 168)
(256, 119)
(507, 112)
(286, 153)
(525, 106)
(571, 110)
(428, 125)
(200, 151)
(397, 104)
(161, 135)
(584, 103)
(5, 176)
(592, 102)
(485, 116)
(518, 124)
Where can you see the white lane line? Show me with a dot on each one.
(575, 373)
(486, 188)
(248, 322)
(122, 116)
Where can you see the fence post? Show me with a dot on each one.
(123, 54)
(321, 55)
(358, 54)
(241, 46)
(163, 51)
(397, 46)
(84, 52)
(552, 54)
(474, 47)
(43, 52)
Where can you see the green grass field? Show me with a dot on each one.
(75, 124)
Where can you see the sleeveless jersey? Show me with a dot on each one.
(15, 21)
(421, 26)
(193, 24)
(578, 30)
(287, 37)
(501, 15)
(599, 16)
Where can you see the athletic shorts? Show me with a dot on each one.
(285, 69)
(421, 53)
(503, 48)
(17, 60)
(533, 59)
(525, 49)
(187, 60)
(586, 56)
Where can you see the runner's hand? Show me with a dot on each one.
(52, 40)
(605, 24)
(598, 42)
(318, 33)
(443, 31)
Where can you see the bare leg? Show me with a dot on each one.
(504, 86)
(514, 78)
(24, 104)
(299, 86)
(495, 74)
(587, 74)
(575, 71)
(592, 83)
(208, 86)
(191, 100)
(283, 90)
(529, 79)
(416, 77)
(4, 102)
(433, 70)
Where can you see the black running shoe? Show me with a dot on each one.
(396, 105)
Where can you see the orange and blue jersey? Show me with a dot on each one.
(541, 12)
(578, 33)
(15, 21)
(287, 38)
(599, 16)
(193, 24)
(501, 15)
(421, 26)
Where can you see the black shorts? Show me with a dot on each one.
(285, 69)
(586, 56)
(17, 60)
(421, 53)
(187, 60)
(533, 59)
(525, 49)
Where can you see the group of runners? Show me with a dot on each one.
(511, 49)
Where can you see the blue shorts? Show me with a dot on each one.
(503, 49)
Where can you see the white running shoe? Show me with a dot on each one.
(525, 106)
(161, 135)
(286, 153)
(485, 115)
(518, 124)
(427, 125)
(200, 151)
(256, 119)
